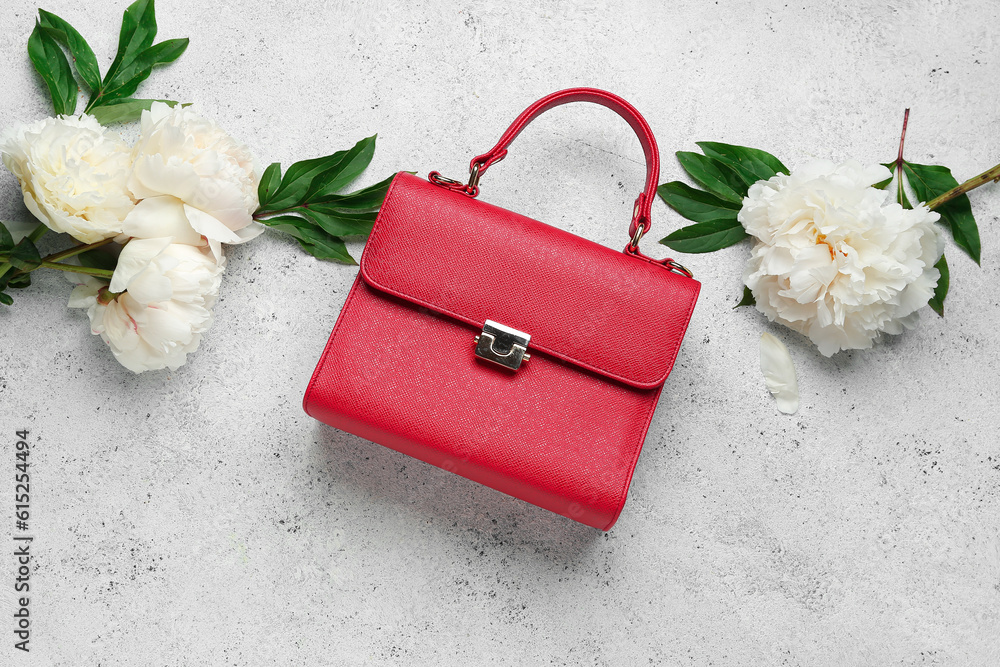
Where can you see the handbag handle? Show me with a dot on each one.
(643, 203)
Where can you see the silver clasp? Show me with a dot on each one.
(502, 345)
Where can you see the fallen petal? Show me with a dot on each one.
(779, 373)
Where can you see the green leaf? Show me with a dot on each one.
(706, 236)
(339, 223)
(83, 55)
(362, 200)
(318, 178)
(6, 240)
(6, 300)
(900, 192)
(714, 176)
(305, 205)
(99, 258)
(929, 181)
(269, 183)
(901, 195)
(752, 164)
(748, 298)
(20, 281)
(882, 185)
(941, 291)
(138, 70)
(355, 161)
(280, 221)
(25, 256)
(137, 34)
(165, 52)
(296, 180)
(313, 240)
(123, 111)
(330, 249)
(697, 205)
(50, 62)
(137, 55)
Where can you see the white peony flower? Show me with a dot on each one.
(203, 179)
(158, 304)
(73, 174)
(834, 261)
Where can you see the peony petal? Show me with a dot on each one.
(158, 217)
(133, 260)
(72, 174)
(209, 227)
(82, 296)
(157, 112)
(36, 210)
(119, 327)
(18, 230)
(81, 279)
(151, 286)
(152, 175)
(223, 200)
(163, 331)
(779, 373)
(250, 232)
(216, 248)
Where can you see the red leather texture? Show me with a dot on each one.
(564, 431)
(549, 434)
(581, 302)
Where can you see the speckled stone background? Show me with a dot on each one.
(199, 517)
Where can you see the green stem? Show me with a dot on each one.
(900, 197)
(37, 233)
(992, 174)
(85, 270)
(75, 250)
(263, 216)
(94, 100)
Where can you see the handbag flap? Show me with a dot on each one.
(600, 309)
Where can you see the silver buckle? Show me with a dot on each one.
(502, 345)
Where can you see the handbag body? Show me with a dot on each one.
(503, 349)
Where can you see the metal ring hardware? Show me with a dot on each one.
(677, 267)
(437, 179)
(471, 188)
(474, 177)
(633, 249)
(640, 231)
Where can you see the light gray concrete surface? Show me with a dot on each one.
(199, 517)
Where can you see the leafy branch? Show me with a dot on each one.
(111, 98)
(937, 186)
(15, 258)
(17, 261)
(305, 202)
(726, 173)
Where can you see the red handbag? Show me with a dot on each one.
(502, 349)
